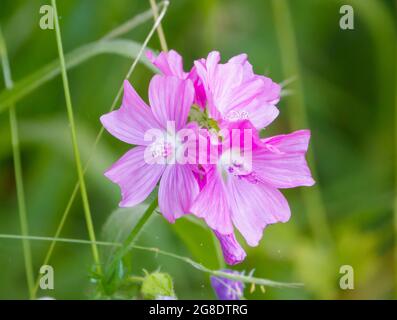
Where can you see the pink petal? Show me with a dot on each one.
(178, 188)
(169, 63)
(171, 99)
(282, 162)
(223, 96)
(254, 206)
(240, 59)
(271, 92)
(239, 96)
(248, 70)
(232, 250)
(246, 104)
(135, 177)
(214, 83)
(132, 120)
(260, 114)
(211, 204)
(200, 98)
(235, 93)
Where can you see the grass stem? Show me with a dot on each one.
(395, 168)
(18, 170)
(76, 151)
(160, 32)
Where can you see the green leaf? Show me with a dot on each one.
(125, 48)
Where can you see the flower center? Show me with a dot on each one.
(232, 162)
(161, 149)
(166, 150)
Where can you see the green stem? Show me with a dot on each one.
(129, 241)
(18, 170)
(395, 170)
(192, 263)
(312, 197)
(160, 32)
(79, 168)
(135, 279)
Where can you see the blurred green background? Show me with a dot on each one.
(344, 91)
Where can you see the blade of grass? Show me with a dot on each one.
(18, 169)
(395, 169)
(160, 31)
(28, 84)
(76, 151)
(297, 116)
(157, 251)
(395, 182)
(100, 133)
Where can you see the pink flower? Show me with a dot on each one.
(245, 194)
(235, 93)
(170, 100)
(235, 179)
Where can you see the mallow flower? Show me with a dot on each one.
(140, 169)
(242, 186)
(234, 93)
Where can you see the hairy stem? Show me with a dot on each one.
(157, 251)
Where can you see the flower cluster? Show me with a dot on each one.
(199, 139)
